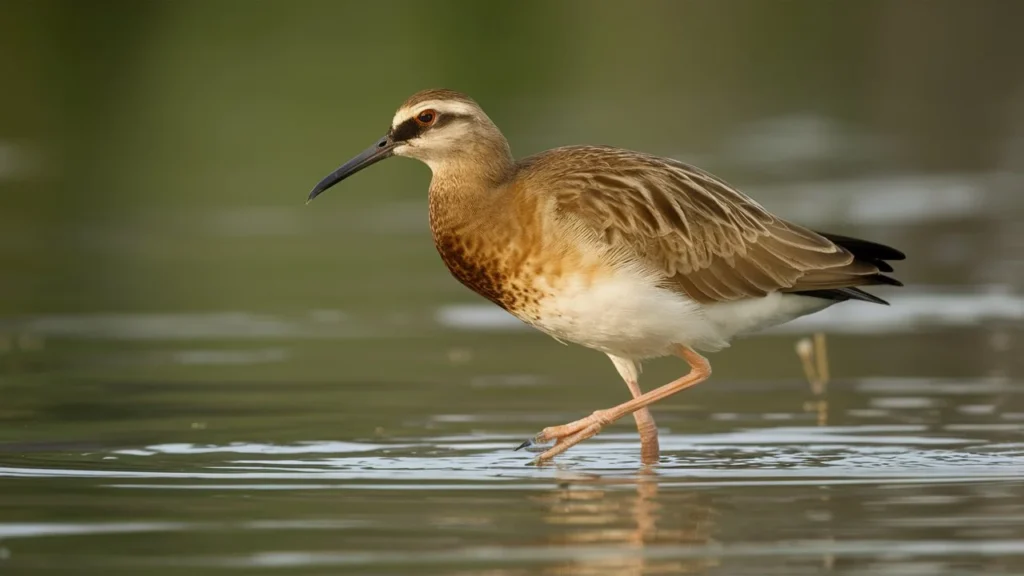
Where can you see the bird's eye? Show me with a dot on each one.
(426, 118)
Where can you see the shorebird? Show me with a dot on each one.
(627, 253)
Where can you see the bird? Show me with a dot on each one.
(631, 254)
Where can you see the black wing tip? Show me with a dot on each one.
(844, 294)
(883, 252)
(876, 280)
(887, 280)
(893, 253)
(858, 294)
(871, 299)
(865, 249)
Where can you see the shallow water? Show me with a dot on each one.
(876, 476)
(199, 374)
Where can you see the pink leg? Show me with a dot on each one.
(568, 435)
(649, 448)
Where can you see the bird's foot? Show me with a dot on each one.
(566, 436)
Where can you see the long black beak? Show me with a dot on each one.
(379, 151)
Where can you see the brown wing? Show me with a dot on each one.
(711, 242)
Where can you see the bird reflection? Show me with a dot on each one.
(596, 511)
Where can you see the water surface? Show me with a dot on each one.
(878, 475)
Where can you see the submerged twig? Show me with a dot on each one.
(813, 355)
(821, 357)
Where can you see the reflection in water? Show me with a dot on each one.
(724, 499)
(627, 514)
(813, 355)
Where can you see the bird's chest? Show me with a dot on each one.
(483, 271)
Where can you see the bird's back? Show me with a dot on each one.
(710, 241)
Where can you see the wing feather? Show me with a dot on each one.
(709, 241)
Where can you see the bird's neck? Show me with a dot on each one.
(466, 186)
(468, 195)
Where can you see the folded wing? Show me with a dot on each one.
(710, 241)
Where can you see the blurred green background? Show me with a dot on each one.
(156, 154)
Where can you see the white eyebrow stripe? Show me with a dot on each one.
(442, 106)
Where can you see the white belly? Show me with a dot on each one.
(629, 316)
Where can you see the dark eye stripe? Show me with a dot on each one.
(410, 128)
(406, 131)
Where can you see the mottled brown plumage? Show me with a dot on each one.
(624, 252)
(708, 240)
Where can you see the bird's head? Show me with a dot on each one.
(438, 127)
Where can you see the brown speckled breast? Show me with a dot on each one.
(489, 243)
(481, 274)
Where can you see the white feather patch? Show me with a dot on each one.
(627, 315)
(442, 106)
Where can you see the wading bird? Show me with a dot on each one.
(628, 253)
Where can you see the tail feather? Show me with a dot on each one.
(844, 294)
(870, 253)
(865, 249)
